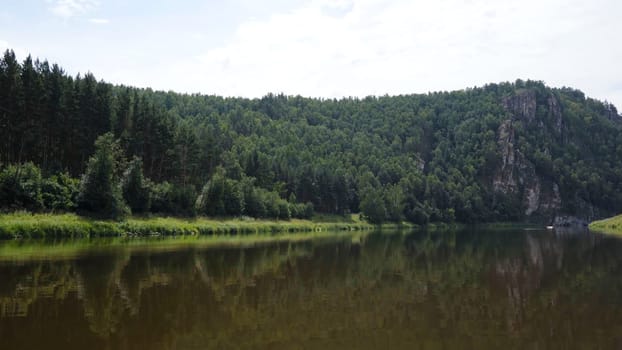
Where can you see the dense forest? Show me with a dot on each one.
(508, 151)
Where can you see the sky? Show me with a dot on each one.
(324, 48)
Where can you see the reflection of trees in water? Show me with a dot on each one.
(469, 288)
(144, 294)
(22, 285)
(98, 280)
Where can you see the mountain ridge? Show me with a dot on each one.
(507, 151)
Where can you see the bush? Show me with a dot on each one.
(255, 205)
(284, 213)
(271, 199)
(222, 196)
(20, 187)
(301, 210)
(60, 192)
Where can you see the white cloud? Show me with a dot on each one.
(355, 48)
(20, 52)
(72, 8)
(99, 20)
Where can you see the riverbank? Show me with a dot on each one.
(68, 248)
(611, 225)
(28, 225)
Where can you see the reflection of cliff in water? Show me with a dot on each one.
(469, 289)
(543, 258)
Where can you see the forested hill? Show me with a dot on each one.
(508, 151)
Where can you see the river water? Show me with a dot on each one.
(473, 289)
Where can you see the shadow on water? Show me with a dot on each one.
(471, 289)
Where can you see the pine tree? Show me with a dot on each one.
(11, 100)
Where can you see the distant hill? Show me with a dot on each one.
(509, 151)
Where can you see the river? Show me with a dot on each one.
(469, 289)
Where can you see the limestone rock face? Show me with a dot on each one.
(522, 105)
(505, 180)
(612, 113)
(555, 114)
(516, 175)
(532, 198)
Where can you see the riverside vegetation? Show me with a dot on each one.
(611, 225)
(517, 151)
(27, 225)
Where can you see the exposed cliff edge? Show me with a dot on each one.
(518, 175)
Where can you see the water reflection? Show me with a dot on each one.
(471, 289)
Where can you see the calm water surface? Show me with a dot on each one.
(457, 290)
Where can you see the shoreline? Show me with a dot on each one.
(612, 225)
(26, 225)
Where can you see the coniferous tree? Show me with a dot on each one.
(429, 157)
(136, 191)
(11, 102)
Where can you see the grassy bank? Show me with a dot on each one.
(67, 248)
(611, 225)
(70, 225)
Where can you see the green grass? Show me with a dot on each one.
(28, 225)
(67, 248)
(611, 225)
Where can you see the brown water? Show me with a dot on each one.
(462, 290)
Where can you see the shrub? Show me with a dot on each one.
(60, 192)
(20, 187)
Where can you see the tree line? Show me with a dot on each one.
(421, 158)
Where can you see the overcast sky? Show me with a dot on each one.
(325, 48)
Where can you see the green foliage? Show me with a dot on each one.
(254, 203)
(167, 198)
(25, 225)
(20, 187)
(136, 191)
(394, 203)
(100, 193)
(183, 199)
(421, 158)
(611, 225)
(373, 205)
(60, 192)
(301, 210)
(223, 196)
(284, 212)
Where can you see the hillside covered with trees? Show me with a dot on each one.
(509, 151)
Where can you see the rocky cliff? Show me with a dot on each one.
(518, 176)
